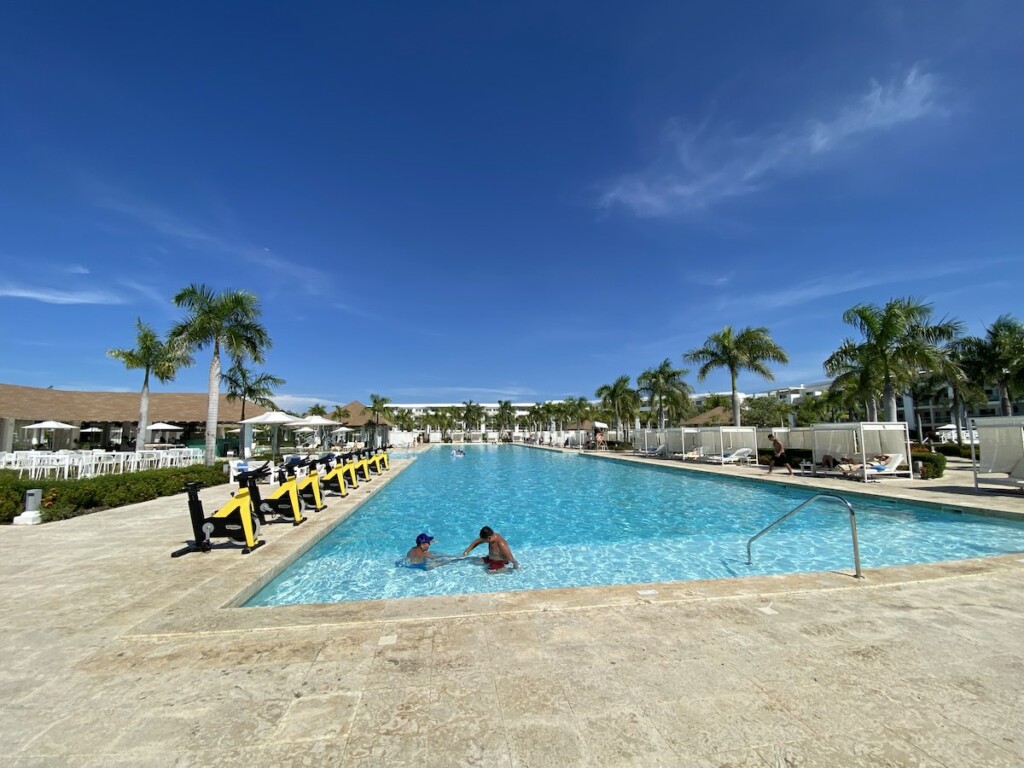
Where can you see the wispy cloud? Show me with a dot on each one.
(157, 297)
(194, 237)
(53, 296)
(76, 269)
(698, 169)
(831, 285)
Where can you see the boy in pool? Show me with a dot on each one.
(498, 552)
(421, 551)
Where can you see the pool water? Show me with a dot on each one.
(574, 520)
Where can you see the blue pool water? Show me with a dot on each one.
(574, 520)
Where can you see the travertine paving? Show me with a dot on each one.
(115, 654)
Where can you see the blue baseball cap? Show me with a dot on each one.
(424, 538)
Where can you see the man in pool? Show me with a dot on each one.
(498, 552)
(421, 551)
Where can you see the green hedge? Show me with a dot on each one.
(63, 499)
(933, 465)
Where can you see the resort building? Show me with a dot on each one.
(108, 418)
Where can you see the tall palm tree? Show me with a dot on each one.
(751, 349)
(505, 417)
(472, 416)
(228, 321)
(857, 381)
(378, 409)
(577, 410)
(249, 386)
(664, 389)
(317, 409)
(154, 357)
(900, 342)
(999, 358)
(620, 398)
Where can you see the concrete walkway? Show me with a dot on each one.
(115, 654)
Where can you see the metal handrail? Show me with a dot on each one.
(853, 527)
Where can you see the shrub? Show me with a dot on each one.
(933, 465)
(63, 499)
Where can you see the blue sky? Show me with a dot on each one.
(451, 201)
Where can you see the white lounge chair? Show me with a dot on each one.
(694, 455)
(877, 469)
(733, 457)
(653, 452)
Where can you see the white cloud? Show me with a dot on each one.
(77, 269)
(53, 296)
(197, 238)
(699, 170)
(299, 403)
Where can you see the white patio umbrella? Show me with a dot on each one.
(50, 425)
(314, 423)
(275, 419)
(164, 427)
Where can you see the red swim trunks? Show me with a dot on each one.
(494, 565)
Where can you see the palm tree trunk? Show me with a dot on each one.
(211, 406)
(140, 437)
(735, 400)
(1005, 409)
(889, 399)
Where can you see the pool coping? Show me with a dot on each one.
(223, 594)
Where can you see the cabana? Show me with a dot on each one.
(1000, 449)
(799, 438)
(716, 442)
(865, 439)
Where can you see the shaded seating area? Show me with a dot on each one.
(1000, 451)
(873, 449)
(728, 445)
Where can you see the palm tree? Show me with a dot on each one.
(900, 342)
(577, 410)
(620, 398)
(228, 321)
(472, 416)
(154, 357)
(378, 408)
(999, 358)
(505, 417)
(857, 382)
(316, 409)
(339, 414)
(249, 386)
(751, 349)
(665, 390)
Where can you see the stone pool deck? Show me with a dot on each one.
(113, 654)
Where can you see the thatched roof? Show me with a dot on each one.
(176, 407)
(360, 416)
(716, 416)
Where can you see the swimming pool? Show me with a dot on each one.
(575, 520)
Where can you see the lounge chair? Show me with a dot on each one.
(651, 453)
(873, 468)
(694, 455)
(734, 457)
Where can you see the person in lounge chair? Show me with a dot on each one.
(830, 462)
(878, 462)
(498, 552)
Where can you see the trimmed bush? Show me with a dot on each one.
(933, 465)
(63, 499)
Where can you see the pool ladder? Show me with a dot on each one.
(836, 497)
